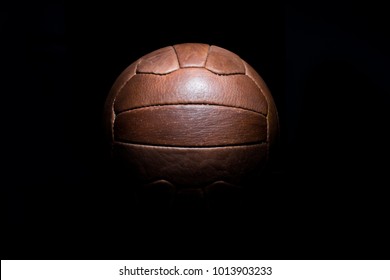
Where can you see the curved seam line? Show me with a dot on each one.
(122, 86)
(116, 95)
(194, 147)
(189, 104)
(202, 67)
(177, 57)
(207, 57)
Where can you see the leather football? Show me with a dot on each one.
(191, 115)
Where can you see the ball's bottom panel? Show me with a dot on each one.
(191, 167)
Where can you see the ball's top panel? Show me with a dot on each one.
(161, 61)
(192, 55)
(169, 59)
(224, 62)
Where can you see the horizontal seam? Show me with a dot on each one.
(260, 143)
(186, 104)
(202, 67)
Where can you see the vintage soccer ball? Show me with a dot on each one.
(191, 117)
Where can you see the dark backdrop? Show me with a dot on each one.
(326, 65)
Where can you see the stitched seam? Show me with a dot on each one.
(226, 74)
(259, 143)
(177, 56)
(207, 56)
(186, 104)
(215, 73)
(157, 74)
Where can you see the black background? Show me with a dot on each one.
(326, 65)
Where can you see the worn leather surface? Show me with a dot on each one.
(191, 114)
(190, 126)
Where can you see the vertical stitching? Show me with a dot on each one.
(207, 57)
(177, 56)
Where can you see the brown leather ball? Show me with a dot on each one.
(191, 114)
